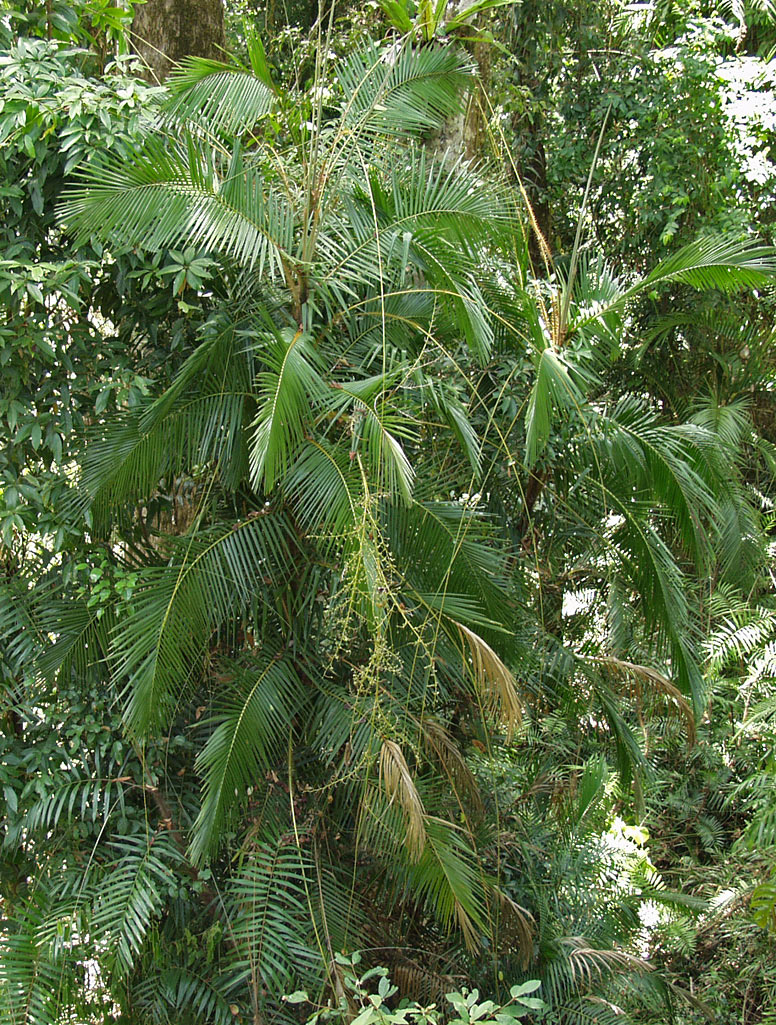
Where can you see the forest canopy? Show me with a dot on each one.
(387, 525)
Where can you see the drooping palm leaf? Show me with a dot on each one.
(289, 390)
(213, 576)
(716, 262)
(249, 730)
(553, 388)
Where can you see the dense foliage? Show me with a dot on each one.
(386, 518)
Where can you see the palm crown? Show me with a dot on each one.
(369, 429)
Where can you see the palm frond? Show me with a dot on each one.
(159, 646)
(288, 391)
(443, 548)
(324, 490)
(184, 992)
(553, 387)
(673, 462)
(85, 798)
(409, 92)
(396, 779)
(661, 587)
(658, 684)
(133, 894)
(389, 463)
(175, 194)
(31, 980)
(256, 709)
(197, 422)
(447, 879)
(496, 685)
(453, 411)
(270, 916)
(716, 262)
(224, 98)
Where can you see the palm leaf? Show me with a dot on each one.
(79, 797)
(389, 464)
(409, 93)
(447, 879)
(133, 894)
(716, 262)
(497, 687)
(672, 462)
(184, 992)
(399, 786)
(224, 98)
(324, 490)
(158, 647)
(270, 916)
(553, 387)
(173, 194)
(31, 980)
(442, 547)
(662, 591)
(288, 390)
(251, 727)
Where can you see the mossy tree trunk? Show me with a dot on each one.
(166, 31)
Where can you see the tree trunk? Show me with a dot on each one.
(475, 125)
(464, 134)
(166, 31)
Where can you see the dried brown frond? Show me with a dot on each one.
(418, 981)
(437, 739)
(398, 784)
(638, 676)
(496, 684)
(590, 964)
(516, 928)
(471, 935)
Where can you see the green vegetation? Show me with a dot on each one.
(387, 518)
